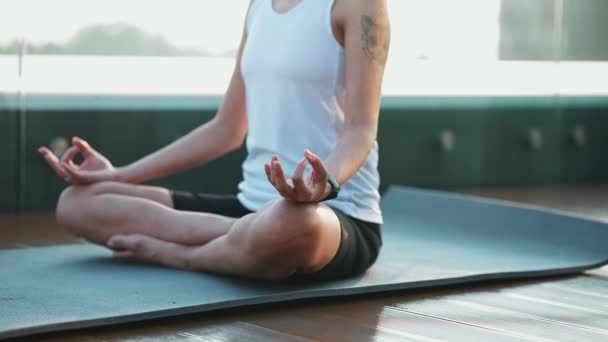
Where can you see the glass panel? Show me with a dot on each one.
(528, 30)
(94, 57)
(10, 47)
(585, 36)
(584, 51)
(131, 46)
(440, 47)
(583, 72)
(118, 73)
(473, 47)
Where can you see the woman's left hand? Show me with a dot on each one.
(312, 190)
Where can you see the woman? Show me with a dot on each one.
(307, 79)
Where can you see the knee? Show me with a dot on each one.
(299, 219)
(70, 207)
(65, 210)
(294, 228)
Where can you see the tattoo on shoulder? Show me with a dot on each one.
(375, 39)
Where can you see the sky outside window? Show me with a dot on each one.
(439, 47)
(421, 29)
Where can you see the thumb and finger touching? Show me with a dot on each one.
(298, 188)
(94, 168)
(68, 156)
(317, 165)
(85, 149)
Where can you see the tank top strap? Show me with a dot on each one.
(328, 11)
(252, 13)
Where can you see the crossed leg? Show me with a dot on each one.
(140, 223)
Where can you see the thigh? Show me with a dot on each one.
(153, 193)
(98, 211)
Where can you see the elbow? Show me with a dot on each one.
(230, 135)
(366, 134)
(237, 142)
(237, 137)
(370, 137)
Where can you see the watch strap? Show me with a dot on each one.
(335, 188)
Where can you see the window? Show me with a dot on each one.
(498, 47)
(123, 46)
(187, 47)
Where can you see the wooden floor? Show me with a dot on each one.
(552, 309)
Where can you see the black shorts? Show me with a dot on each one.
(359, 245)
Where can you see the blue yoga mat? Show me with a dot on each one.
(430, 239)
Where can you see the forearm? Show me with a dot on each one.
(200, 146)
(351, 152)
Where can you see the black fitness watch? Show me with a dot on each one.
(335, 188)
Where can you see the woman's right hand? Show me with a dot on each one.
(94, 168)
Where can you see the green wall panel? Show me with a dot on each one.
(42, 185)
(410, 150)
(122, 137)
(219, 176)
(509, 157)
(490, 135)
(586, 162)
(9, 161)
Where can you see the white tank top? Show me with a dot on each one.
(293, 70)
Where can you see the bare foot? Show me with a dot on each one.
(144, 248)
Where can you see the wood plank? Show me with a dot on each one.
(324, 327)
(599, 272)
(435, 328)
(557, 317)
(209, 329)
(553, 291)
(239, 332)
(470, 310)
(33, 230)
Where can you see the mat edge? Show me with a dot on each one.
(307, 294)
(495, 201)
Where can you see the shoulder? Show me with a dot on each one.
(366, 27)
(253, 4)
(355, 15)
(355, 9)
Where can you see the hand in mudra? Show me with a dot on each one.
(313, 189)
(94, 168)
